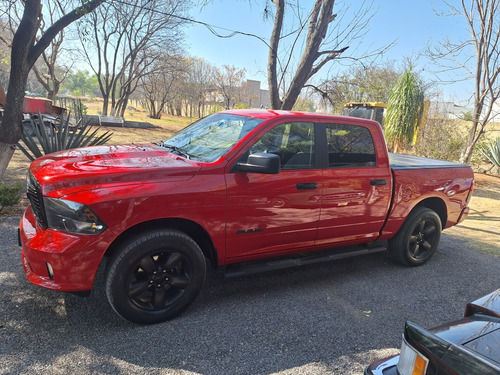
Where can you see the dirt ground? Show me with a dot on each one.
(481, 229)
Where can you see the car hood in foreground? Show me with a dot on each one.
(487, 345)
(467, 346)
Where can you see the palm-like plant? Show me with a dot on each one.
(492, 152)
(404, 110)
(62, 136)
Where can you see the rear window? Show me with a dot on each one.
(350, 146)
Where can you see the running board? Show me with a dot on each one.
(250, 268)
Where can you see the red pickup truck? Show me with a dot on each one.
(235, 188)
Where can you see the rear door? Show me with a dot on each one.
(356, 185)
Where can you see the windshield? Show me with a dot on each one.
(360, 112)
(211, 137)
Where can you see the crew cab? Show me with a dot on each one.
(236, 187)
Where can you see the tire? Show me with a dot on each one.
(418, 238)
(29, 127)
(154, 277)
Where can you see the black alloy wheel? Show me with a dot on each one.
(418, 237)
(158, 280)
(422, 238)
(155, 276)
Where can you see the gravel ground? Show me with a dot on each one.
(332, 318)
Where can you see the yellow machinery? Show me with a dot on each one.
(369, 110)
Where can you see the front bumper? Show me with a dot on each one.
(58, 260)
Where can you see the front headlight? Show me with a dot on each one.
(73, 217)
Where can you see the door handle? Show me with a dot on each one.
(307, 186)
(378, 182)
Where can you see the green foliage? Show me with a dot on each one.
(440, 138)
(404, 110)
(371, 83)
(63, 136)
(467, 116)
(81, 83)
(241, 106)
(10, 195)
(5, 60)
(492, 152)
(304, 105)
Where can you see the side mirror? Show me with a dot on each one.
(259, 163)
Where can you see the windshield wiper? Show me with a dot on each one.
(179, 151)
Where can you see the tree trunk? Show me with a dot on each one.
(6, 153)
(272, 62)
(24, 54)
(312, 59)
(123, 107)
(105, 105)
(51, 94)
(475, 132)
(11, 126)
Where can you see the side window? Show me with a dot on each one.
(292, 142)
(349, 146)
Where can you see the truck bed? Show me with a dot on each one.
(400, 161)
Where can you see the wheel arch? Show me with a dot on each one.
(438, 206)
(190, 228)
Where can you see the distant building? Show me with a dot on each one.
(448, 110)
(453, 111)
(249, 94)
(253, 96)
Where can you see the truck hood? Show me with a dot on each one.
(70, 171)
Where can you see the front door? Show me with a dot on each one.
(271, 214)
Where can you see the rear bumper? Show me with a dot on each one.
(58, 260)
(463, 215)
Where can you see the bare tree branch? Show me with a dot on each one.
(478, 57)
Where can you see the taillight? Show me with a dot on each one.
(471, 190)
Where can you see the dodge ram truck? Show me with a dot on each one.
(244, 189)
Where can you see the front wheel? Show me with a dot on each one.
(418, 238)
(155, 276)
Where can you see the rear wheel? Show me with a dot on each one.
(155, 276)
(418, 238)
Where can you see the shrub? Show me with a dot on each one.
(440, 138)
(10, 195)
(492, 152)
(405, 108)
(62, 136)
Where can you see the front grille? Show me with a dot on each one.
(34, 193)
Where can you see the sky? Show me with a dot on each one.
(411, 24)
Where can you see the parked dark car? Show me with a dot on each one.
(465, 347)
